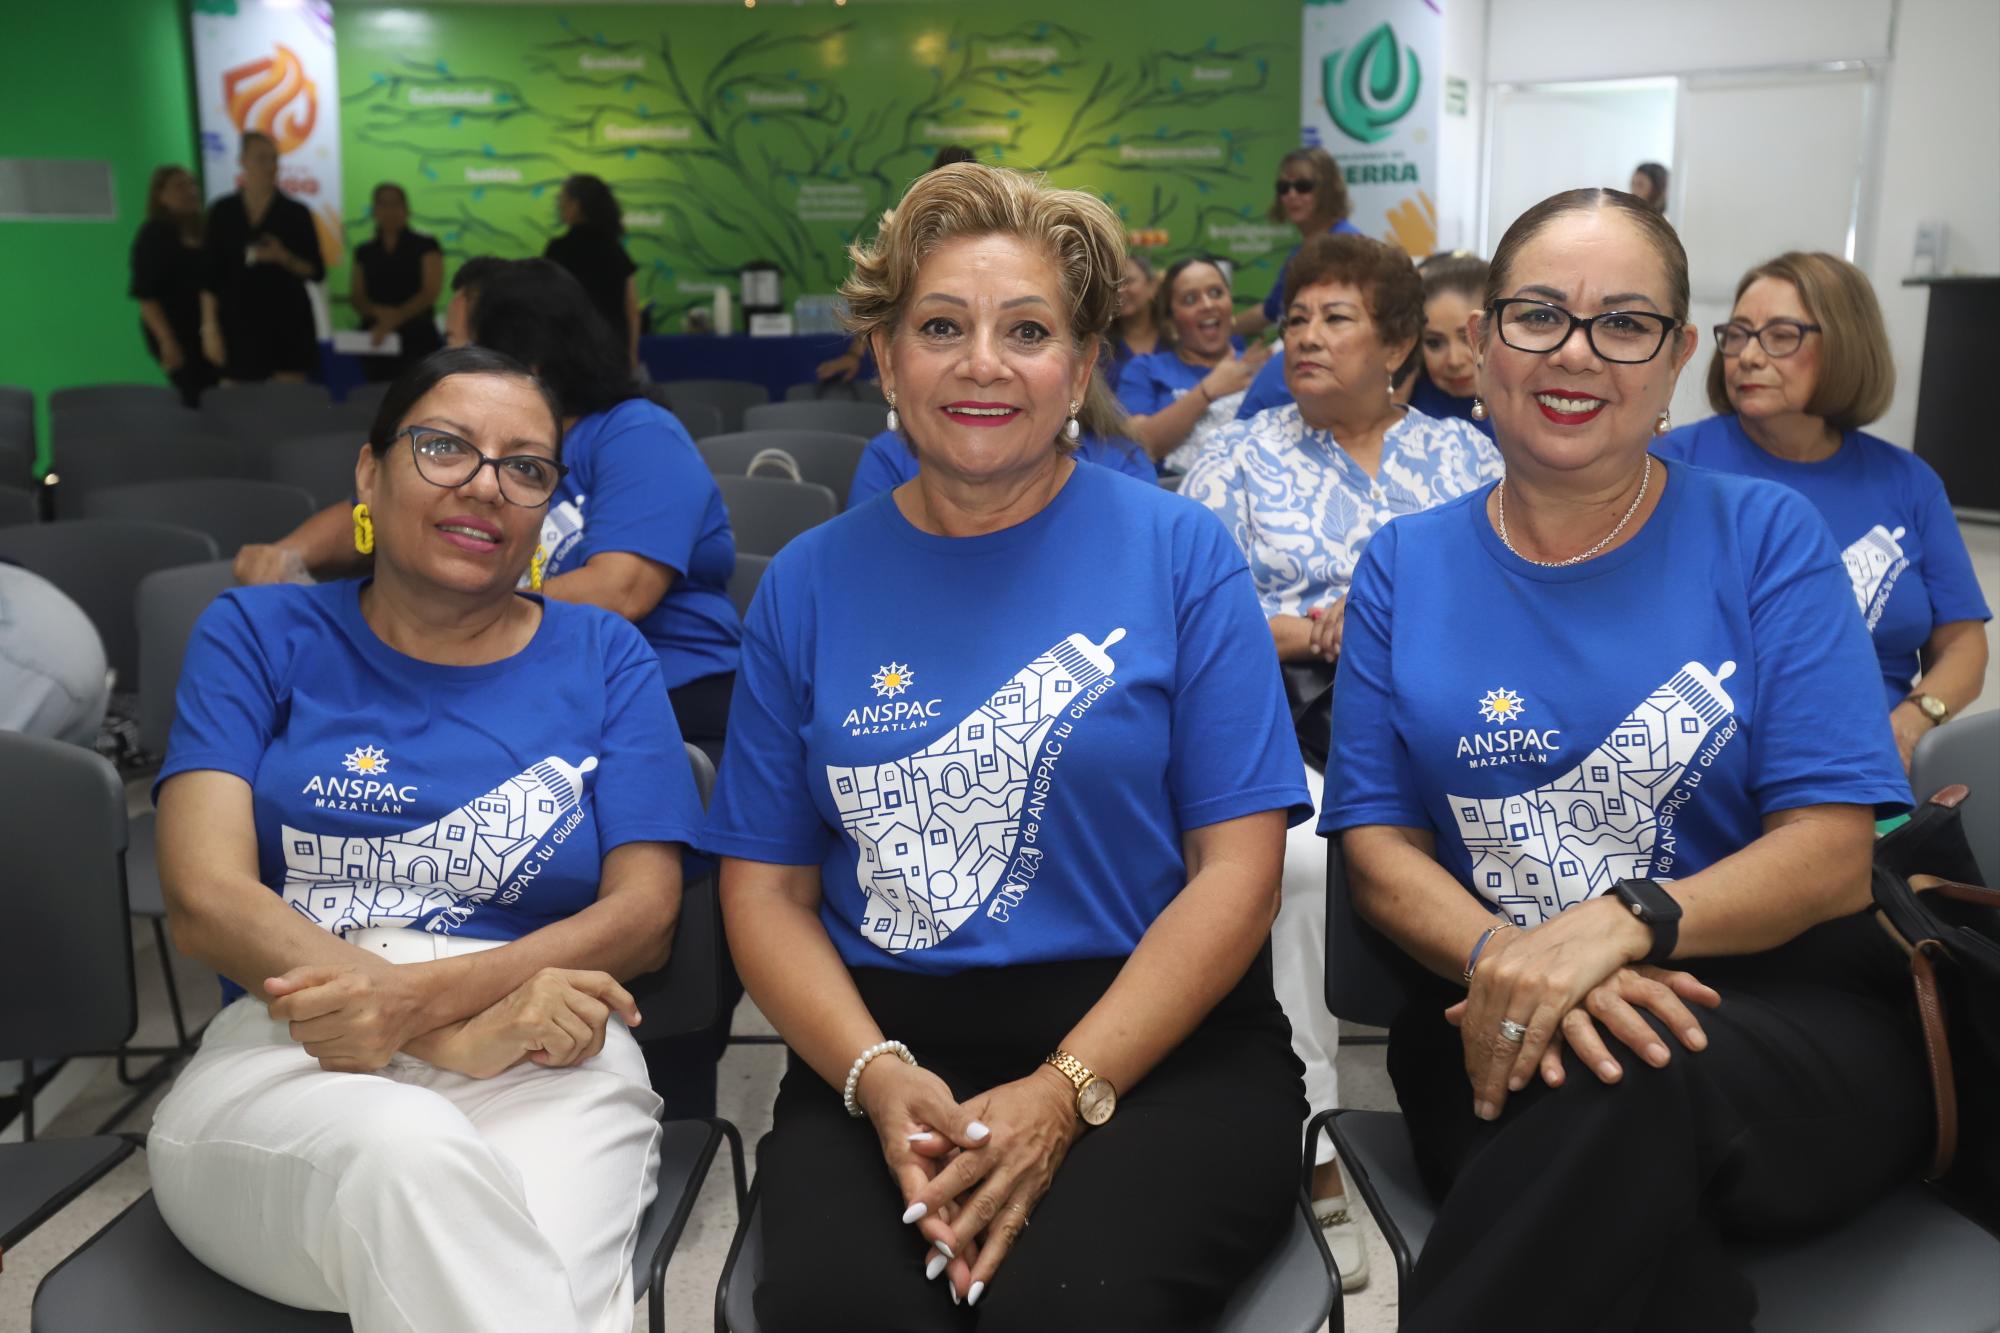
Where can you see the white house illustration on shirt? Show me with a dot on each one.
(1574, 837)
(445, 868)
(1874, 562)
(935, 829)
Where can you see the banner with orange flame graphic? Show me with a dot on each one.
(275, 96)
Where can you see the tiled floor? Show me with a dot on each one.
(748, 1081)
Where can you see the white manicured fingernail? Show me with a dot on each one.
(954, 1292)
(978, 1290)
(943, 1249)
(977, 1133)
(921, 1136)
(934, 1267)
(914, 1212)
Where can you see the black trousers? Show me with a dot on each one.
(1604, 1207)
(1153, 1219)
(701, 707)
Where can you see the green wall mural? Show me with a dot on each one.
(780, 134)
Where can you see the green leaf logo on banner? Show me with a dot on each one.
(1371, 85)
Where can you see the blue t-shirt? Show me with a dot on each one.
(1156, 380)
(1906, 559)
(638, 484)
(993, 760)
(1634, 716)
(1267, 390)
(1274, 304)
(887, 463)
(477, 801)
(1435, 402)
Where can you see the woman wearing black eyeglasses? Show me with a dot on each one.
(1802, 365)
(1312, 196)
(423, 824)
(1608, 748)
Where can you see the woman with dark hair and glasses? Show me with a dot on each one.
(1311, 194)
(423, 823)
(593, 250)
(1802, 365)
(1609, 749)
(166, 280)
(397, 279)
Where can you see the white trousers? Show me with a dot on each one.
(1298, 961)
(413, 1199)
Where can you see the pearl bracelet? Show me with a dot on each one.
(902, 1053)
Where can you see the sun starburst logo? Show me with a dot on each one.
(367, 759)
(892, 680)
(1501, 705)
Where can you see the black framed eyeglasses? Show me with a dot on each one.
(443, 459)
(1627, 337)
(1779, 339)
(1297, 186)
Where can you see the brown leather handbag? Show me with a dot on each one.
(1950, 931)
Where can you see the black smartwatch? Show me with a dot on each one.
(1645, 899)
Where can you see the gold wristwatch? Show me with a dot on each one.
(1096, 1099)
(1931, 707)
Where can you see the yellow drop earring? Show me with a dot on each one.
(364, 530)
(535, 568)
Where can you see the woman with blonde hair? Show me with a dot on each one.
(1802, 364)
(1001, 816)
(1312, 196)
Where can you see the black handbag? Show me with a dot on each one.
(1950, 933)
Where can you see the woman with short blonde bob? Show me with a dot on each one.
(1802, 365)
(1002, 815)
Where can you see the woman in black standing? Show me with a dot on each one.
(593, 253)
(166, 280)
(261, 250)
(397, 278)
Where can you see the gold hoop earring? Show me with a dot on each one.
(364, 530)
(535, 568)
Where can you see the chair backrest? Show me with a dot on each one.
(831, 391)
(256, 415)
(1368, 979)
(15, 400)
(825, 458)
(866, 420)
(730, 397)
(97, 563)
(233, 511)
(364, 399)
(66, 953)
(156, 427)
(94, 463)
(143, 396)
(169, 601)
(267, 396)
(17, 454)
(683, 996)
(320, 465)
(764, 514)
(700, 419)
(16, 506)
(1967, 750)
(743, 580)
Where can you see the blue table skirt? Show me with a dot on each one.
(776, 363)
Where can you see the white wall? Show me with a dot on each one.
(1540, 41)
(1461, 138)
(1940, 159)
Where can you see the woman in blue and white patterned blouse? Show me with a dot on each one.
(1303, 487)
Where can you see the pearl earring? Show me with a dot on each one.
(895, 422)
(1479, 409)
(1664, 424)
(1073, 428)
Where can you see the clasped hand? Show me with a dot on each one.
(971, 1173)
(1562, 980)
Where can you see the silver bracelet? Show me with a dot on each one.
(861, 1062)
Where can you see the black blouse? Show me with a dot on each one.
(600, 263)
(394, 276)
(167, 270)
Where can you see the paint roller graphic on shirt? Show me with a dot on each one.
(934, 830)
(1873, 563)
(1562, 842)
(442, 870)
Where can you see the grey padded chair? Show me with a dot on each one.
(1910, 1263)
(150, 397)
(321, 465)
(65, 957)
(729, 397)
(135, 1274)
(743, 581)
(700, 419)
(364, 399)
(1294, 1290)
(17, 454)
(16, 506)
(825, 458)
(85, 464)
(98, 563)
(864, 419)
(1967, 750)
(256, 414)
(234, 511)
(853, 391)
(765, 513)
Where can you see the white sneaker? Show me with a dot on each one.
(1344, 1241)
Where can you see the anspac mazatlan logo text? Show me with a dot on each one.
(370, 790)
(890, 681)
(1507, 744)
